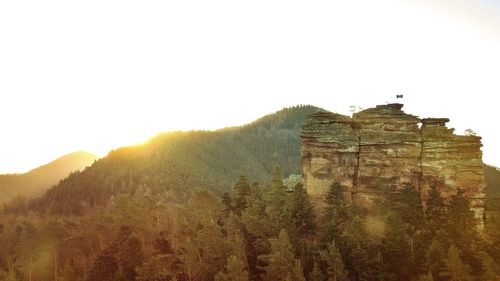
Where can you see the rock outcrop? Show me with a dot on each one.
(386, 145)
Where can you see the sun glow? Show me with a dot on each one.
(97, 75)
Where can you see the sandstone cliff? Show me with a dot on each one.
(385, 144)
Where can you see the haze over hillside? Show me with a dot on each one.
(175, 160)
(38, 180)
(160, 210)
(198, 159)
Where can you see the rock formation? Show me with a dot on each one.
(386, 145)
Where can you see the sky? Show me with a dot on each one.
(97, 75)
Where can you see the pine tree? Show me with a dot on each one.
(157, 269)
(436, 259)
(335, 214)
(302, 212)
(412, 215)
(316, 274)
(105, 267)
(281, 259)
(488, 268)
(235, 270)
(456, 268)
(298, 272)
(241, 192)
(213, 250)
(277, 180)
(335, 265)
(227, 205)
(276, 199)
(396, 251)
(236, 240)
(255, 220)
(129, 256)
(436, 211)
(462, 225)
(161, 246)
(301, 220)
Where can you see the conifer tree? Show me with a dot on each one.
(488, 268)
(302, 214)
(129, 256)
(241, 192)
(227, 205)
(436, 211)
(256, 222)
(335, 265)
(436, 258)
(396, 251)
(235, 270)
(335, 214)
(462, 226)
(411, 212)
(157, 269)
(276, 198)
(281, 259)
(316, 274)
(456, 268)
(105, 267)
(298, 272)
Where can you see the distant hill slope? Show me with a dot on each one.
(180, 160)
(492, 177)
(39, 180)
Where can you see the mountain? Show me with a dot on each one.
(37, 181)
(180, 160)
(177, 161)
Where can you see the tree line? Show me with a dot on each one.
(263, 233)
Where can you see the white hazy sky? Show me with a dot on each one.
(96, 75)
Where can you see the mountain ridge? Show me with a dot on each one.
(40, 179)
(195, 159)
(180, 160)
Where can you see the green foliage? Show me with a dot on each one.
(436, 212)
(302, 214)
(335, 265)
(298, 272)
(457, 270)
(281, 259)
(316, 274)
(157, 269)
(235, 270)
(184, 159)
(198, 236)
(462, 224)
(335, 214)
(241, 192)
(276, 199)
(164, 211)
(105, 267)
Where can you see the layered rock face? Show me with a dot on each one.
(454, 161)
(329, 157)
(384, 144)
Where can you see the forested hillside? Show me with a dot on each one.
(185, 160)
(213, 206)
(37, 181)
